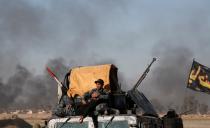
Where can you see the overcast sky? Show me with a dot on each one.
(127, 33)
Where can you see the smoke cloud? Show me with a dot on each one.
(169, 80)
(26, 90)
(64, 34)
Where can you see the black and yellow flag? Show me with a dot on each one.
(199, 78)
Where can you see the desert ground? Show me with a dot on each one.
(28, 120)
(196, 121)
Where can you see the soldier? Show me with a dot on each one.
(96, 93)
(93, 98)
(65, 107)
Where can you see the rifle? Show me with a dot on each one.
(143, 75)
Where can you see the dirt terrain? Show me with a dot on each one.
(196, 121)
(28, 120)
(23, 120)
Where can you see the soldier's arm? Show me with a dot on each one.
(104, 95)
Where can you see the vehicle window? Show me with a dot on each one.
(72, 125)
(114, 124)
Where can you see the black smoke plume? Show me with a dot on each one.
(27, 90)
(169, 80)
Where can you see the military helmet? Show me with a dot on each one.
(100, 81)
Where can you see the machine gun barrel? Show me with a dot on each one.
(143, 75)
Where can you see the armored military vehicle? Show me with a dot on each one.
(126, 104)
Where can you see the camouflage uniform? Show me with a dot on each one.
(62, 109)
(92, 104)
(103, 94)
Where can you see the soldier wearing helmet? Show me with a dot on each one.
(95, 97)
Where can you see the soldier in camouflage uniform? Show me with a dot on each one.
(93, 98)
(65, 107)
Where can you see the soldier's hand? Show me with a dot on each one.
(95, 95)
